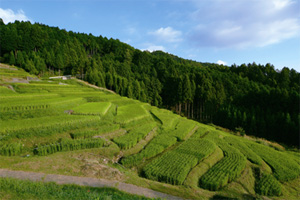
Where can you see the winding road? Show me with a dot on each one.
(85, 181)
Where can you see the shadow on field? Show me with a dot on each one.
(221, 197)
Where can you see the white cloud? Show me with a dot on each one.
(9, 15)
(152, 48)
(167, 34)
(280, 4)
(242, 24)
(220, 62)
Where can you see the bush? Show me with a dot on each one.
(226, 170)
(11, 149)
(134, 136)
(106, 128)
(68, 145)
(173, 166)
(268, 185)
(284, 166)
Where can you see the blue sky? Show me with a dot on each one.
(217, 31)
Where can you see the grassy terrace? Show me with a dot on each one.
(87, 132)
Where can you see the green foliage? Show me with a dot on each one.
(25, 107)
(268, 185)
(41, 127)
(11, 149)
(226, 170)
(183, 128)
(134, 136)
(137, 122)
(155, 146)
(258, 98)
(53, 98)
(167, 118)
(40, 190)
(244, 149)
(173, 166)
(200, 148)
(103, 98)
(68, 145)
(200, 132)
(124, 101)
(126, 114)
(12, 59)
(284, 166)
(35, 106)
(5, 91)
(96, 131)
(94, 108)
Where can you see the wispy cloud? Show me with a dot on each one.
(221, 62)
(152, 47)
(167, 34)
(242, 24)
(9, 15)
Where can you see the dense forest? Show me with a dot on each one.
(252, 98)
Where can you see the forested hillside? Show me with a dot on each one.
(258, 98)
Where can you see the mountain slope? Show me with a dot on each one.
(92, 133)
(254, 98)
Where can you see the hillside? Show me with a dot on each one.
(66, 127)
(255, 98)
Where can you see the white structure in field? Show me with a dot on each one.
(61, 77)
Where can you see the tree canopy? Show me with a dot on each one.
(258, 98)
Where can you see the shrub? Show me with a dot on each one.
(268, 185)
(134, 136)
(68, 145)
(11, 149)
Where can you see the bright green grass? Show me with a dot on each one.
(183, 128)
(13, 72)
(60, 88)
(68, 145)
(154, 147)
(5, 91)
(134, 136)
(11, 149)
(124, 101)
(244, 149)
(268, 185)
(35, 102)
(44, 103)
(174, 166)
(103, 97)
(37, 108)
(227, 169)
(94, 108)
(132, 112)
(95, 131)
(285, 168)
(23, 189)
(167, 118)
(11, 125)
(38, 127)
(26, 97)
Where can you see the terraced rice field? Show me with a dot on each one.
(40, 118)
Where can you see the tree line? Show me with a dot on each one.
(255, 98)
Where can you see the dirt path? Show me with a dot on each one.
(85, 181)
